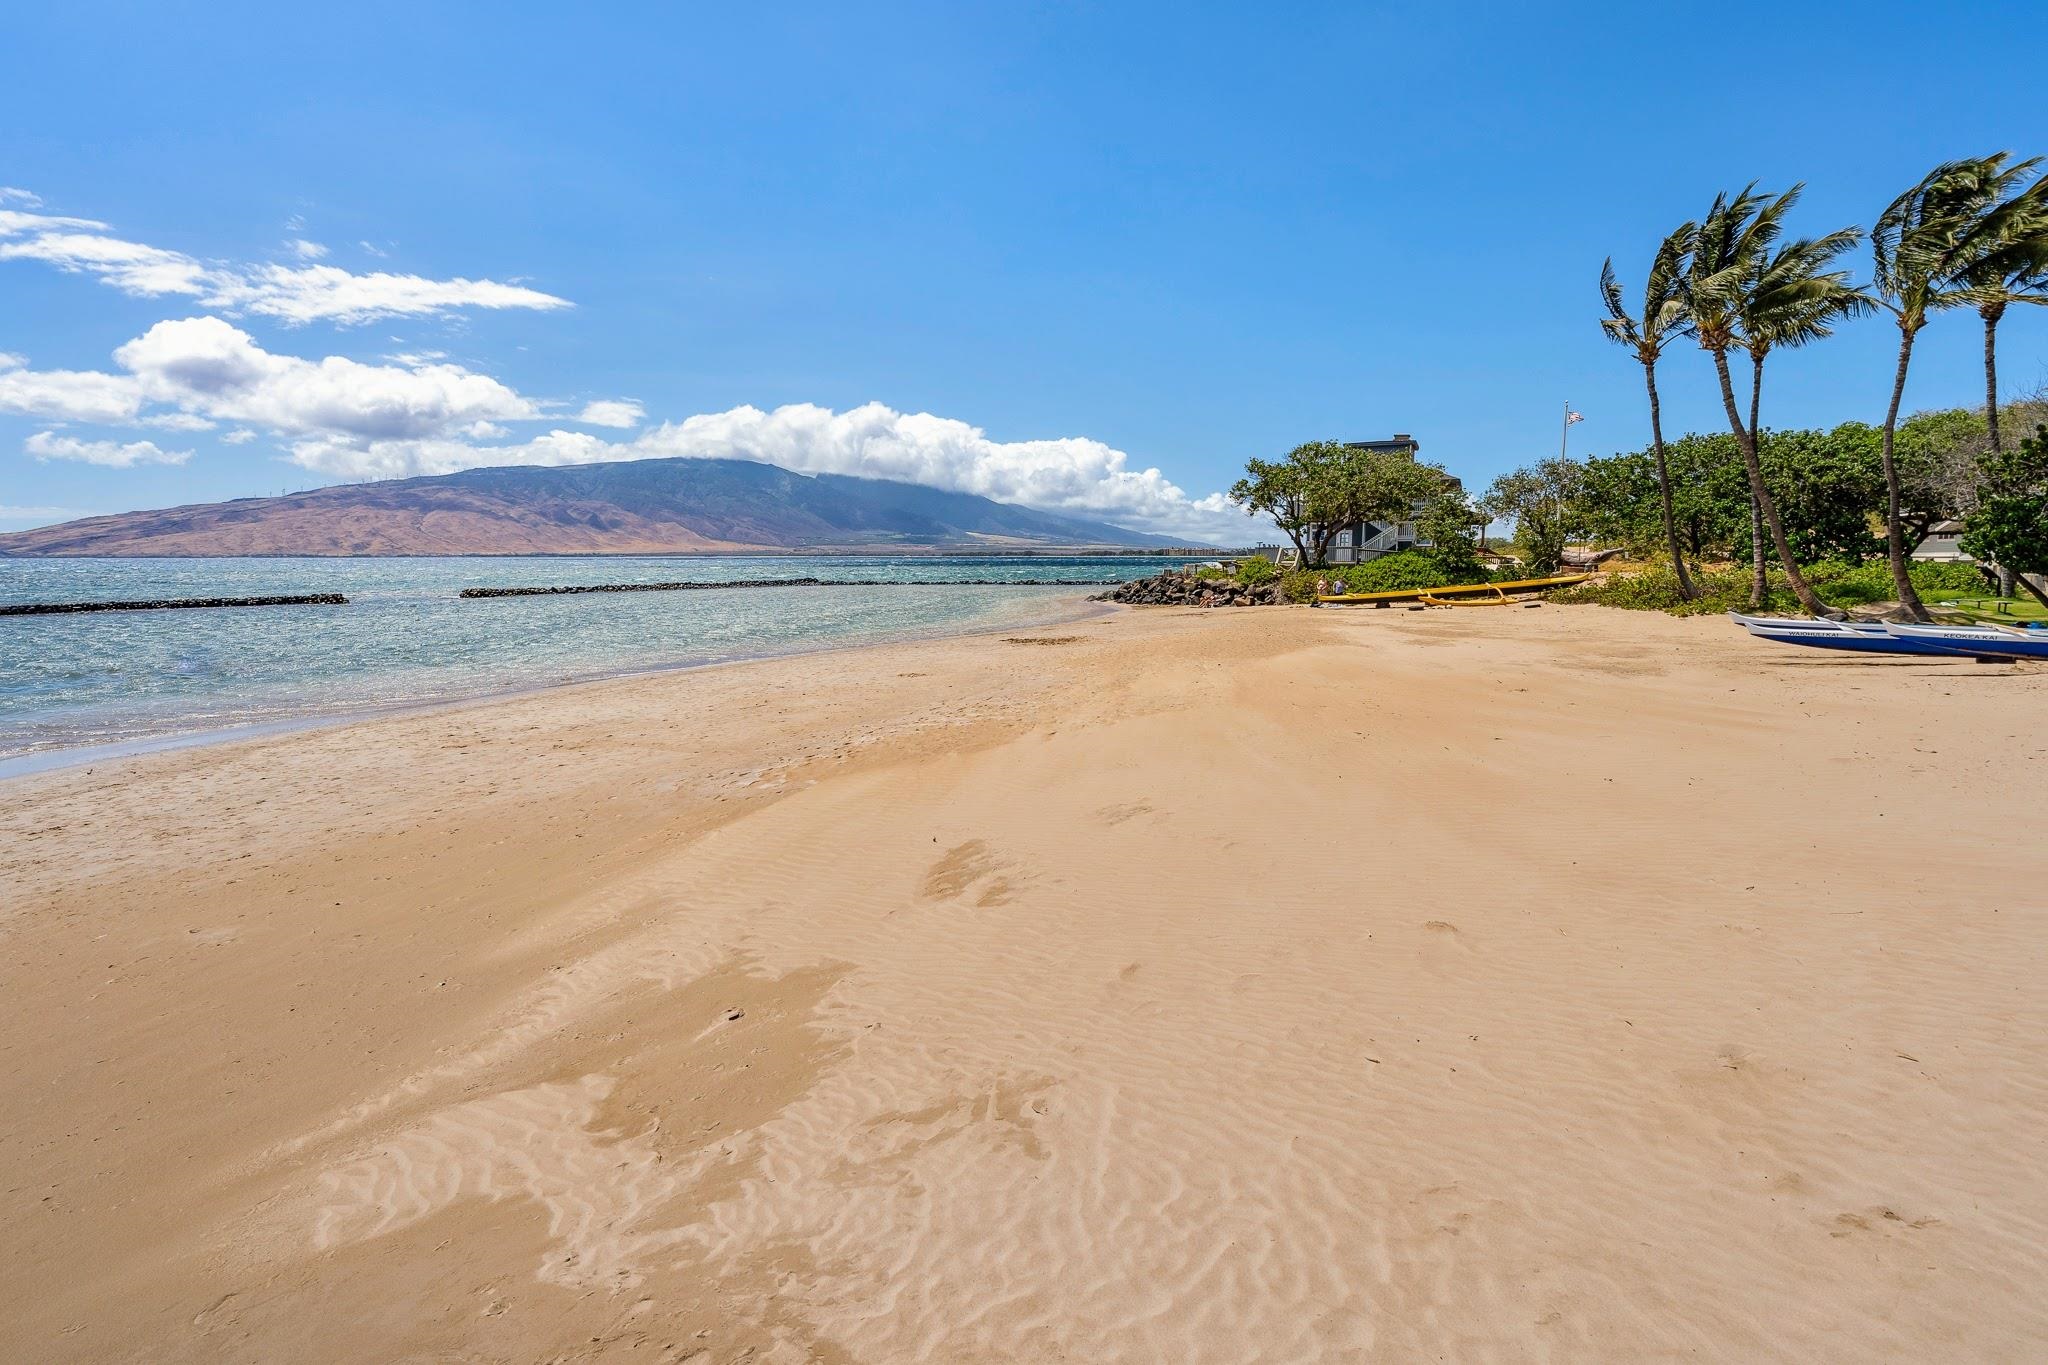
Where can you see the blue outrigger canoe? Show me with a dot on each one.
(1883, 637)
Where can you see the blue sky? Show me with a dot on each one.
(1032, 251)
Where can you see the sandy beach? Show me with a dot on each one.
(1272, 985)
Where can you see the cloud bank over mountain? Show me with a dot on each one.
(419, 412)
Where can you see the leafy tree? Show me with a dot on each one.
(1547, 503)
(1287, 491)
(1928, 244)
(1828, 486)
(1646, 333)
(2010, 526)
(1709, 492)
(1720, 279)
(1324, 486)
(1446, 523)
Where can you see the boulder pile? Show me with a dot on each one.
(1181, 588)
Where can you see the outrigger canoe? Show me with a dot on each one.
(1988, 643)
(1456, 594)
(1979, 641)
(1856, 639)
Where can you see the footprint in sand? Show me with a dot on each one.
(1442, 945)
(965, 866)
(1876, 1220)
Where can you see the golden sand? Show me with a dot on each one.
(1260, 986)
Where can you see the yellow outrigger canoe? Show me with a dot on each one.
(1458, 594)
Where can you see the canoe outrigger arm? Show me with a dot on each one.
(1460, 594)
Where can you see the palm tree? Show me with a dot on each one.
(2014, 272)
(1732, 239)
(1927, 244)
(1663, 317)
(1792, 299)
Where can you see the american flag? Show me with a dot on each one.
(1571, 417)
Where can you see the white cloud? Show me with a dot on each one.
(15, 223)
(212, 368)
(374, 251)
(44, 445)
(292, 294)
(9, 194)
(179, 421)
(240, 436)
(308, 293)
(612, 412)
(129, 266)
(189, 374)
(70, 395)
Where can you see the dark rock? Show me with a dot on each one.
(1181, 588)
(311, 599)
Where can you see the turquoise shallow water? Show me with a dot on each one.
(69, 682)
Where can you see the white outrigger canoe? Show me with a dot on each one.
(1885, 637)
(1977, 640)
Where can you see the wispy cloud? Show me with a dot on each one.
(291, 294)
(40, 516)
(45, 445)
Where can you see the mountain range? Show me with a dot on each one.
(626, 507)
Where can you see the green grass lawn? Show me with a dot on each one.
(1991, 608)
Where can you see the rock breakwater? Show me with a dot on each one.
(310, 599)
(1181, 589)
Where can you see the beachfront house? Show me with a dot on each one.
(1367, 540)
(1942, 544)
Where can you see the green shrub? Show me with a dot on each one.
(1722, 590)
(1656, 589)
(1300, 584)
(1256, 570)
(1406, 571)
(1948, 578)
(1210, 572)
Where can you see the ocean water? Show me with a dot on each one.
(77, 683)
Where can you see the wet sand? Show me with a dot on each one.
(1264, 985)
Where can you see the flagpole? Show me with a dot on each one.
(1564, 432)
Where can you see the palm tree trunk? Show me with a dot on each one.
(1746, 440)
(1757, 583)
(1991, 312)
(1685, 587)
(1894, 528)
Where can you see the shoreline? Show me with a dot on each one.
(32, 762)
(1179, 985)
